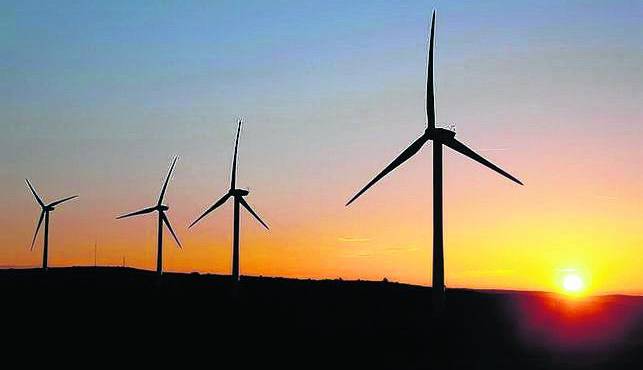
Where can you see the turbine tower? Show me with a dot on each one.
(238, 195)
(44, 214)
(162, 219)
(440, 137)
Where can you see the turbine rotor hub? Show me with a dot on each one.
(239, 192)
(439, 133)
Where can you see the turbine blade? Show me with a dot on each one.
(252, 212)
(33, 191)
(62, 201)
(463, 149)
(167, 179)
(214, 206)
(167, 223)
(233, 176)
(403, 157)
(33, 242)
(430, 97)
(141, 212)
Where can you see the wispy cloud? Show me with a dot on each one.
(404, 249)
(493, 150)
(605, 197)
(353, 240)
(494, 272)
(359, 254)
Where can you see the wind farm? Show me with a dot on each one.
(442, 266)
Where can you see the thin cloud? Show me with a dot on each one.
(605, 197)
(493, 150)
(567, 270)
(358, 255)
(353, 240)
(407, 249)
(495, 272)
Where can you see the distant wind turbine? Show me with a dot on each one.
(44, 214)
(161, 209)
(440, 137)
(238, 195)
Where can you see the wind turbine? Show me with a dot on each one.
(44, 214)
(238, 195)
(440, 137)
(161, 209)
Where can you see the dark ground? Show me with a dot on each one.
(125, 315)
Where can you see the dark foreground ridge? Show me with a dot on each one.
(286, 323)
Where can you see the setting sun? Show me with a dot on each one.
(573, 284)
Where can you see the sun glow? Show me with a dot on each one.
(573, 284)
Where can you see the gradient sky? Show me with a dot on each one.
(95, 99)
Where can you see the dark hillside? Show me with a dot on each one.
(279, 323)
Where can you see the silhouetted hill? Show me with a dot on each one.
(287, 323)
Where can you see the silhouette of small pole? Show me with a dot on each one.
(235, 242)
(438, 240)
(95, 258)
(159, 255)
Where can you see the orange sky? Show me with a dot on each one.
(497, 235)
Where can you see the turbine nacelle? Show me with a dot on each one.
(162, 208)
(439, 134)
(48, 208)
(238, 192)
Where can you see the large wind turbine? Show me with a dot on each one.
(161, 209)
(238, 195)
(440, 137)
(44, 214)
